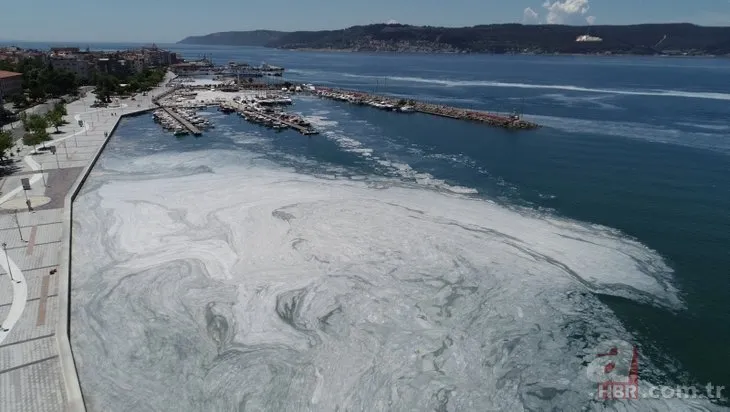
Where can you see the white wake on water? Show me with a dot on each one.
(488, 83)
(710, 138)
(328, 129)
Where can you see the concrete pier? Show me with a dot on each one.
(301, 129)
(194, 130)
(513, 122)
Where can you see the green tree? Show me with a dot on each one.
(19, 100)
(36, 126)
(34, 139)
(6, 116)
(60, 108)
(37, 93)
(134, 85)
(6, 143)
(55, 119)
(36, 122)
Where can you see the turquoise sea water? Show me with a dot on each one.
(640, 145)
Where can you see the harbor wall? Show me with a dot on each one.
(74, 395)
(513, 122)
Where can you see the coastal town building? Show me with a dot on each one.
(64, 50)
(73, 63)
(114, 65)
(10, 83)
(192, 67)
(14, 54)
(83, 63)
(138, 65)
(119, 63)
(155, 57)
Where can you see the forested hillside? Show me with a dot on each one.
(680, 38)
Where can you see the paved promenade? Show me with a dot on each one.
(37, 372)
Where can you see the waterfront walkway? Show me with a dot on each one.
(37, 372)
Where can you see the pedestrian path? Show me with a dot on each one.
(36, 366)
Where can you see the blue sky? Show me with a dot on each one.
(167, 21)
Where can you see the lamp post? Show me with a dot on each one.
(17, 223)
(2, 327)
(7, 259)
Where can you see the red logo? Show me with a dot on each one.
(615, 368)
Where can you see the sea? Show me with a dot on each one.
(406, 262)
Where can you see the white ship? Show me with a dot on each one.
(588, 38)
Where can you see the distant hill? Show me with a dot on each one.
(681, 38)
(235, 38)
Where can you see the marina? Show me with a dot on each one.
(262, 103)
(233, 87)
(180, 121)
(259, 106)
(263, 111)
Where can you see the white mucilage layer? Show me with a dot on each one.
(218, 281)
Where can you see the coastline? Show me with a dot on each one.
(39, 368)
(74, 392)
(326, 50)
(411, 52)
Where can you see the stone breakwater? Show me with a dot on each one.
(512, 122)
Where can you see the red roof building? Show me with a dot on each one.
(10, 83)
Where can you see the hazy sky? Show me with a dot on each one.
(167, 21)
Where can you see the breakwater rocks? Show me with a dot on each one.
(512, 122)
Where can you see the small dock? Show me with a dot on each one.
(247, 111)
(194, 130)
(301, 129)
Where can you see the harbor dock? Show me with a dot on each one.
(189, 126)
(260, 111)
(511, 122)
(263, 103)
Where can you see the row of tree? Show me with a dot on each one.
(36, 126)
(40, 81)
(6, 143)
(108, 85)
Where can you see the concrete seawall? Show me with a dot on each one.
(38, 370)
(74, 395)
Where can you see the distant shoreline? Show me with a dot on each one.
(325, 50)
(663, 39)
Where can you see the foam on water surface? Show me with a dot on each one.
(565, 87)
(215, 280)
(393, 167)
